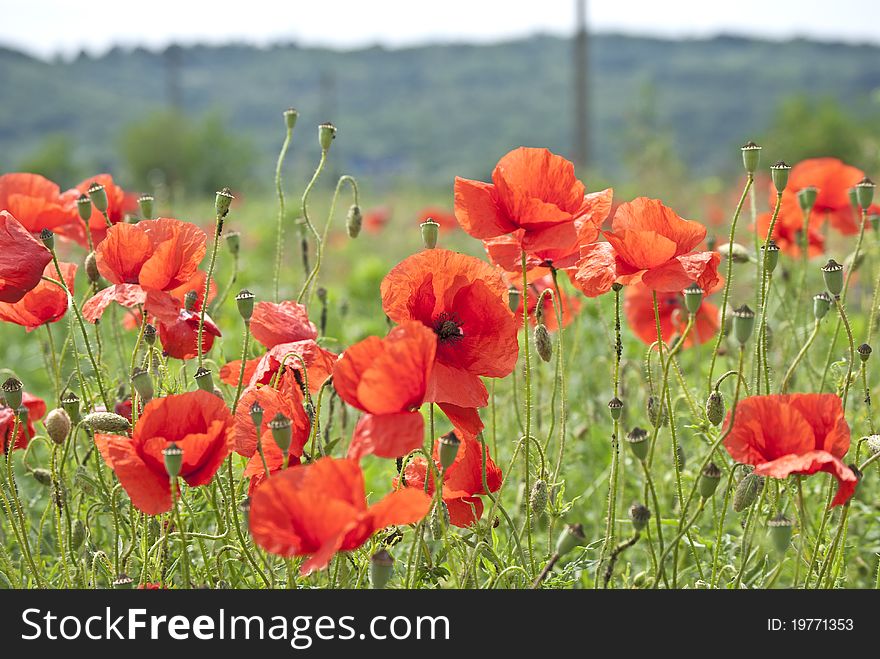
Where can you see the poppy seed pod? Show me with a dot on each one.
(84, 208)
(743, 323)
(637, 439)
(150, 334)
(143, 384)
(91, 267)
(204, 379)
(832, 272)
(448, 448)
(57, 425)
(98, 197)
(12, 392)
(222, 202)
(70, 404)
(190, 299)
(256, 413)
(145, 206)
(807, 198)
(233, 242)
(48, 239)
(779, 172)
(173, 456)
(747, 491)
(290, 117)
(543, 344)
(245, 302)
(640, 515)
(354, 221)
(571, 537)
(615, 406)
(326, 135)
(430, 231)
(780, 532)
(864, 352)
(709, 479)
(865, 192)
(693, 298)
(751, 155)
(770, 256)
(513, 298)
(381, 569)
(281, 431)
(123, 582)
(538, 497)
(821, 305)
(107, 422)
(715, 408)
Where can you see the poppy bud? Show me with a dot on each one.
(77, 534)
(91, 268)
(770, 256)
(222, 202)
(832, 272)
(107, 422)
(381, 569)
(98, 197)
(123, 582)
(735, 251)
(821, 305)
(204, 379)
(640, 515)
(709, 479)
(245, 302)
(743, 323)
(84, 208)
(57, 425)
(780, 532)
(751, 155)
(656, 411)
(693, 298)
(48, 239)
(353, 221)
(145, 205)
(873, 442)
(173, 455)
(190, 299)
(571, 537)
(143, 384)
(290, 117)
(864, 352)
(326, 135)
(70, 404)
(615, 406)
(281, 431)
(865, 192)
(42, 476)
(807, 198)
(430, 231)
(513, 298)
(543, 345)
(538, 497)
(715, 408)
(439, 521)
(150, 334)
(637, 438)
(256, 413)
(448, 448)
(779, 173)
(233, 242)
(747, 491)
(12, 392)
(680, 457)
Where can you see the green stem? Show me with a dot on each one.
(279, 189)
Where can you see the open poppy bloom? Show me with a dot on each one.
(387, 378)
(463, 482)
(119, 202)
(45, 303)
(255, 470)
(832, 178)
(648, 243)
(638, 306)
(180, 337)
(793, 434)
(36, 410)
(23, 259)
(441, 216)
(36, 202)
(288, 403)
(789, 227)
(281, 322)
(465, 302)
(570, 305)
(197, 421)
(535, 196)
(321, 508)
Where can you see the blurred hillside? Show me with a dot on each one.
(423, 113)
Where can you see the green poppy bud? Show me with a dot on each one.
(865, 192)
(381, 569)
(12, 392)
(57, 425)
(751, 155)
(637, 439)
(430, 231)
(448, 446)
(615, 406)
(821, 305)
(354, 221)
(42, 476)
(173, 455)
(145, 206)
(281, 431)
(640, 516)
(290, 117)
(543, 344)
(832, 272)
(779, 172)
(222, 202)
(84, 208)
(715, 408)
(770, 256)
(107, 422)
(245, 301)
(326, 135)
(743, 324)
(780, 532)
(693, 298)
(709, 479)
(204, 379)
(91, 267)
(143, 384)
(807, 198)
(571, 537)
(538, 497)
(747, 491)
(98, 197)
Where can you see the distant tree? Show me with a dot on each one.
(54, 159)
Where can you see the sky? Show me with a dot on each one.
(51, 27)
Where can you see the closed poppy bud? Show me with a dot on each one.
(735, 251)
(204, 379)
(543, 344)
(84, 208)
(780, 532)
(513, 298)
(222, 202)
(48, 239)
(70, 404)
(615, 406)
(123, 582)
(42, 476)
(747, 491)
(864, 352)
(448, 449)
(439, 521)
(326, 135)
(233, 242)
(143, 384)
(693, 298)
(637, 438)
(145, 205)
(107, 422)
(98, 197)
(245, 302)
(381, 569)
(538, 497)
(571, 537)
(779, 172)
(807, 198)
(430, 231)
(832, 272)
(77, 534)
(173, 455)
(256, 413)
(281, 431)
(354, 221)
(865, 192)
(751, 154)
(57, 425)
(150, 334)
(656, 411)
(190, 299)
(91, 268)
(290, 117)
(709, 479)
(821, 305)
(743, 323)
(715, 408)
(12, 392)
(770, 253)
(640, 515)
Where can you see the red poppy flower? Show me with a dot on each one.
(256, 471)
(638, 305)
(376, 219)
(441, 216)
(288, 403)
(535, 195)
(648, 242)
(387, 378)
(119, 202)
(321, 508)
(180, 337)
(463, 482)
(787, 232)
(793, 434)
(123, 408)
(23, 259)
(464, 301)
(832, 179)
(570, 306)
(281, 322)
(36, 408)
(197, 421)
(45, 303)
(143, 259)
(36, 202)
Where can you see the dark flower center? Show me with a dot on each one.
(447, 327)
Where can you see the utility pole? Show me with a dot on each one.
(581, 80)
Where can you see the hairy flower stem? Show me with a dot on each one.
(801, 353)
(852, 349)
(560, 380)
(279, 191)
(218, 231)
(19, 511)
(683, 529)
(319, 252)
(612, 560)
(766, 279)
(527, 411)
(719, 530)
(245, 344)
(305, 211)
(185, 554)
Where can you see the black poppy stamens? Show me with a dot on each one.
(447, 327)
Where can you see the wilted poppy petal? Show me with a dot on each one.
(810, 463)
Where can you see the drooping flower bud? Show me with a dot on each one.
(107, 422)
(747, 491)
(640, 516)
(326, 135)
(145, 206)
(693, 298)
(354, 221)
(637, 439)
(715, 408)
(709, 479)
(743, 323)
(751, 155)
(381, 569)
(430, 232)
(143, 384)
(173, 455)
(864, 352)
(739, 253)
(832, 272)
(780, 532)
(281, 431)
(91, 268)
(245, 301)
(12, 392)
(42, 476)
(571, 537)
(615, 406)
(543, 344)
(98, 197)
(821, 305)
(865, 192)
(84, 207)
(290, 117)
(448, 446)
(57, 425)
(70, 404)
(779, 173)
(538, 497)
(807, 198)
(770, 256)
(222, 202)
